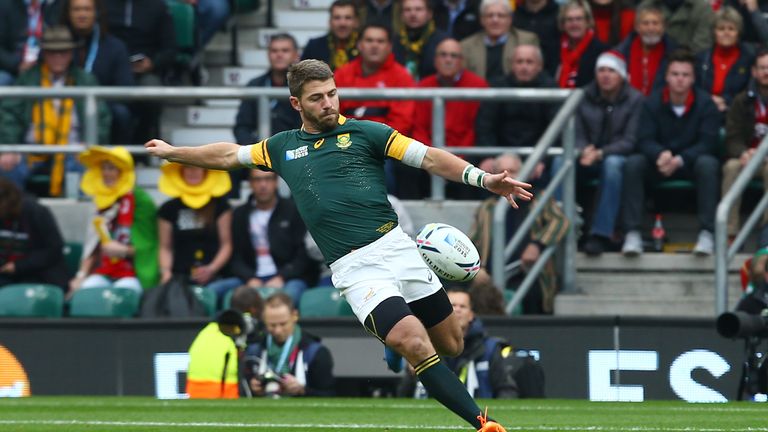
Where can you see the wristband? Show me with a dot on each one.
(473, 176)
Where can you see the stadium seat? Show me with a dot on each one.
(183, 15)
(31, 300)
(73, 251)
(104, 302)
(323, 302)
(207, 298)
(508, 294)
(264, 292)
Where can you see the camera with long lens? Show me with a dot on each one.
(750, 321)
(254, 367)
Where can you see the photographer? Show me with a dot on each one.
(289, 361)
(213, 355)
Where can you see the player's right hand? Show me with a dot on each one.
(158, 148)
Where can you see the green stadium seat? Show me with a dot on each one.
(183, 15)
(104, 302)
(207, 298)
(243, 6)
(323, 302)
(676, 184)
(73, 251)
(264, 292)
(508, 294)
(31, 300)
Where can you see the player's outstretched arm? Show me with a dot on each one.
(451, 167)
(220, 155)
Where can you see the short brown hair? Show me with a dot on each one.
(681, 55)
(10, 199)
(279, 299)
(304, 71)
(246, 298)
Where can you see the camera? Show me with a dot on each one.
(750, 322)
(269, 379)
(740, 324)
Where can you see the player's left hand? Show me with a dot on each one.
(503, 184)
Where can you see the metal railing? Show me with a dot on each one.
(562, 123)
(723, 253)
(501, 253)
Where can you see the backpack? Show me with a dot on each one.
(172, 299)
(522, 368)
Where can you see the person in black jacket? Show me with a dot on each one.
(20, 34)
(103, 55)
(288, 361)
(676, 140)
(31, 246)
(267, 242)
(339, 46)
(283, 52)
(415, 44)
(540, 17)
(146, 28)
(513, 123)
(458, 18)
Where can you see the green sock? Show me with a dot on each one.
(444, 385)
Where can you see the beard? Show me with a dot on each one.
(322, 123)
(650, 40)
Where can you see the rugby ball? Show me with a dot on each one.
(448, 252)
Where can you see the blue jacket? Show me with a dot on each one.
(626, 45)
(111, 66)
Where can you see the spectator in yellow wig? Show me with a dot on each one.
(120, 248)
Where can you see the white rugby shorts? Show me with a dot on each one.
(389, 267)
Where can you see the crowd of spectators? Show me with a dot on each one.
(665, 81)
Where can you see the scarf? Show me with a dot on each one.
(688, 100)
(342, 52)
(644, 64)
(413, 49)
(569, 59)
(51, 126)
(723, 60)
(286, 353)
(118, 219)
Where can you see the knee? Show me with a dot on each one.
(706, 165)
(411, 345)
(613, 165)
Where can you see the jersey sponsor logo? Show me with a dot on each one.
(387, 227)
(297, 153)
(343, 141)
(318, 143)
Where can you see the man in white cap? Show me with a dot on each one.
(606, 123)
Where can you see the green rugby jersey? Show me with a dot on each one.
(337, 180)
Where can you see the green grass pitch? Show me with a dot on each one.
(64, 414)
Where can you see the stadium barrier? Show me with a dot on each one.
(601, 359)
(561, 124)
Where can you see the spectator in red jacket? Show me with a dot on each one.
(376, 67)
(459, 119)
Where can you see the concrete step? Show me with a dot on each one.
(253, 19)
(211, 116)
(655, 285)
(248, 57)
(233, 76)
(199, 136)
(653, 262)
(302, 19)
(302, 35)
(222, 103)
(312, 4)
(571, 305)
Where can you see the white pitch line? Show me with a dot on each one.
(368, 426)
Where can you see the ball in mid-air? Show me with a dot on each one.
(448, 252)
